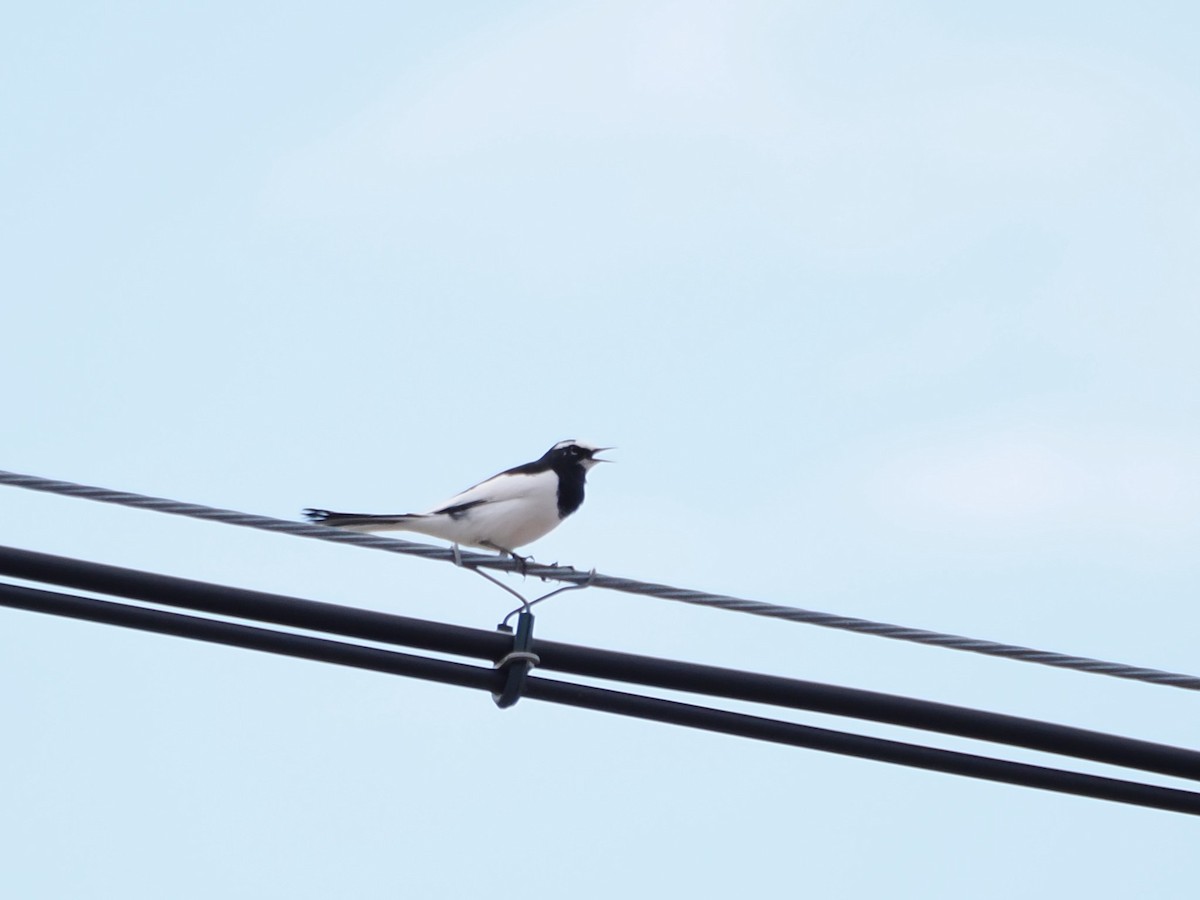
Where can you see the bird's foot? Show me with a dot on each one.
(521, 561)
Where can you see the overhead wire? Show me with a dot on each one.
(731, 684)
(601, 699)
(626, 585)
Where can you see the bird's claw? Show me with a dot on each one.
(522, 563)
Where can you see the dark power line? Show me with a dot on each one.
(647, 671)
(610, 582)
(600, 699)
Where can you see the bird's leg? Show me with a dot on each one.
(521, 561)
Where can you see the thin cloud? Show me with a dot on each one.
(1028, 478)
(987, 123)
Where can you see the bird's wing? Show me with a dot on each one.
(500, 488)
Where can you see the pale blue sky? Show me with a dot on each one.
(891, 309)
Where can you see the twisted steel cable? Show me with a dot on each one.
(572, 575)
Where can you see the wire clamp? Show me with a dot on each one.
(517, 662)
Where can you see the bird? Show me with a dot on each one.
(507, 511)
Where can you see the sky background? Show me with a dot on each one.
(890, 308)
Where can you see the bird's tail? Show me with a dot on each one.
(360, 521)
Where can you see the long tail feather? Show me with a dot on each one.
(359, 521)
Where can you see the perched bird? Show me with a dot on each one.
(505, 512)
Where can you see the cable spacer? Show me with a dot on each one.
(517, 662)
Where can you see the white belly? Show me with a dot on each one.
(515, 512)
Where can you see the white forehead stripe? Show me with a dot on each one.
(584, 445)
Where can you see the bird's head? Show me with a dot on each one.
(577, 452)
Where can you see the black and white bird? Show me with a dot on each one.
(505, 512)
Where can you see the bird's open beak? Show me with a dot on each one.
(601, 450)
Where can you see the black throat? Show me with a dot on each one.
(571, 478)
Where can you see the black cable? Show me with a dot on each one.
(599, 699)
(898, 753)
(648, 671)
(247, 637)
